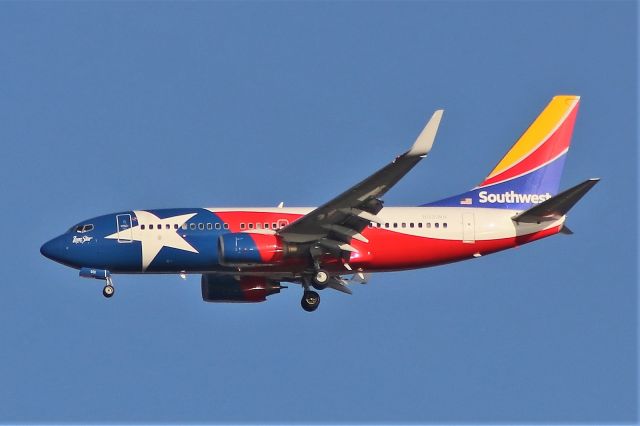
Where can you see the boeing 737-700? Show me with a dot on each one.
(246, 254)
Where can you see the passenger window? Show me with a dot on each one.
(251, 226)
(411, 225)
(395, 225)
(282, 223)
(437, 225)
(175, 226)
(242, 226)
(419, 224)
(266, 226)
(386, 225)
(217, 225)
(274, 225)
(184, 226)
(192, 226)
(209, 226)
(404, 225)
(142, 227)
(201, 226)
(151, 226)
(167, 226)
(444, 225)
(258, 226)
(225, 225)
(160, 227)
(428, 224)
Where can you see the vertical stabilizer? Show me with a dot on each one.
(530, 172)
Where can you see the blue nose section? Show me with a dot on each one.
(52, 249)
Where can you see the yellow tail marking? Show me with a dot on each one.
(548, 120)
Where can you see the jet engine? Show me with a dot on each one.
(247, 249)
(227, 288)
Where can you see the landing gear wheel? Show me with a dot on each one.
(108, 291)
(310, 301)
(320, 279)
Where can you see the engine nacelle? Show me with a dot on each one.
(247, 249)
(226, 288)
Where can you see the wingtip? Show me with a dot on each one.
(592, 182)
(424, 142)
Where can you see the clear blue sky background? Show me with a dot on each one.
(113, 106)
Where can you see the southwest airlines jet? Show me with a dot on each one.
(245, 254)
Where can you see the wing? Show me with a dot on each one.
(333, 225)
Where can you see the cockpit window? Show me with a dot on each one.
(81, 229)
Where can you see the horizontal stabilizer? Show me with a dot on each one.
(556, 207)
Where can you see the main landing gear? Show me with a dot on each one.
(310, 300)
(108, 289)
(320, 279)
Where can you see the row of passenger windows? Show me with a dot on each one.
(279, 225)
(192, 226)
(210, 226)
(265, 225)
(410, 225)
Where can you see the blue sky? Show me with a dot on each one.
(114, 106)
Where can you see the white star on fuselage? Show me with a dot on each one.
(153, 240)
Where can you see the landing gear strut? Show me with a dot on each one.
(108, 289)
(310, 301)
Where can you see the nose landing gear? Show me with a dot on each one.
(100, 274)
(108, 289)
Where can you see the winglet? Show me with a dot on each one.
(423, 144)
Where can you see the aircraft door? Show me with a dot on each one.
(123, 223)
(468, 228)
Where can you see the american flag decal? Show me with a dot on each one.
(465, 201)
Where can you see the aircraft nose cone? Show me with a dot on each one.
(51, 249)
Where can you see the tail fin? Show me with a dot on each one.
(530, 172)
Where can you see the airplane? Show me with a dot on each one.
(247, 254)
